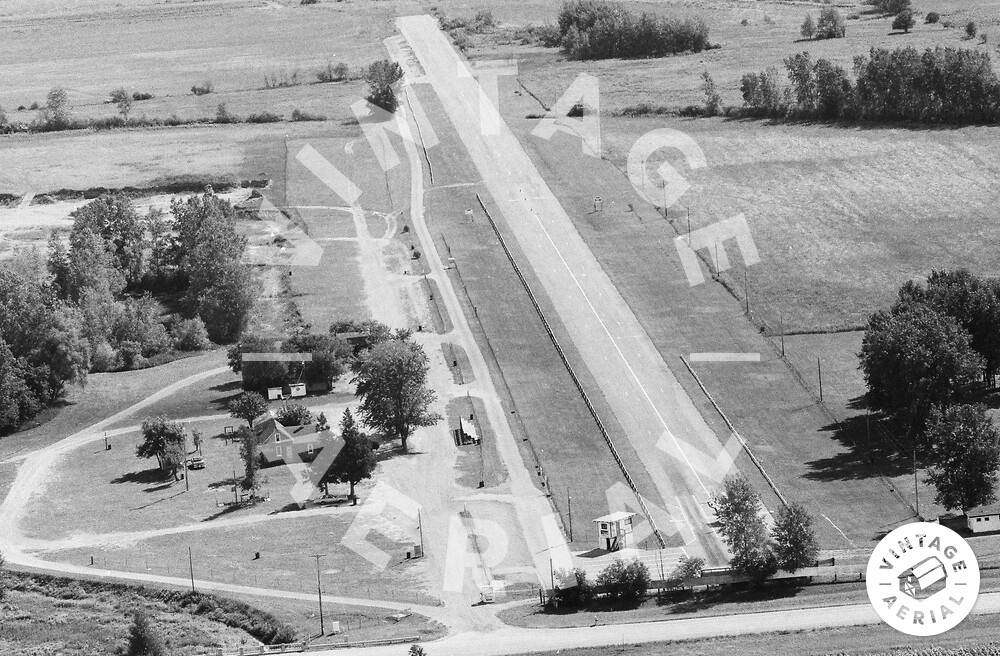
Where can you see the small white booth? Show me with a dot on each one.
(614, 531)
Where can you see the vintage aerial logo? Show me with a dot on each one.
(923, 579)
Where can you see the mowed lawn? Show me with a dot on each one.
(228, 555)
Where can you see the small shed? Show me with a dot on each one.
(614, 531)
(984, 519)
(274, 394)
(467, 433)
(297, 389)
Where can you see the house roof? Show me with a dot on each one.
(982, 511)
(615, 516)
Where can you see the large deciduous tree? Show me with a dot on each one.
(916, 359)
(382, 78)
(738, 508)
(164, 440)
(247, 406)
(114, 219)
(794, 537)
(392, 384)
(965, 452)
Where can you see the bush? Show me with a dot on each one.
(483, 21)
(203, 89)
(141, 95)
(970, 29)
(763, 94)
(593, 29)
(932, 17)
(713, 101)
(624, 583)
(310, 2)
(190, 335)
(104, 358)
(34, 106)
(573, 589)
(891, 7)
(300, 115)
(546, 35)
(333, 72)
(264, 117)
(223, 116)
(294, 414)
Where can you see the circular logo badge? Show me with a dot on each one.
(923, 579)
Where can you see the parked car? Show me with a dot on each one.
(197, 462)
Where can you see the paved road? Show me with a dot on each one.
(518, 641)
(677, 447)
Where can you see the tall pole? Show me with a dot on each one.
(569, 506)
(420, 527)
(781, 319)
(191, 567)
(746, 289)
(319, 593)
(916, 488)
(236, 496)
(689, 225)
(819, 372)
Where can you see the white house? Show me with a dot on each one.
(984, 519)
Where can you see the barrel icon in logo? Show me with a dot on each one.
(924, 579)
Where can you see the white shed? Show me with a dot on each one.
(614, 531)
(984, 519)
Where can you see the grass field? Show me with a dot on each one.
(770, 35)
(856, 640)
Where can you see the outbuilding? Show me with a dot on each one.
(614, 531)
(984, 519)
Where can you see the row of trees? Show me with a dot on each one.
(758, 552)
(939, 85)
(595, 29)
(924, 360)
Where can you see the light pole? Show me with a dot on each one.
(319, 592)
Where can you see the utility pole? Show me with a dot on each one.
(916, 488)
(319, 592)
(106, 440)
(819, 372)
(746, 289)
(236, 495)
(420, 527)
(689, 225)
(569, 505)
(191, 567)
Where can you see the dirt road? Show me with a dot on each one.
(677, 447)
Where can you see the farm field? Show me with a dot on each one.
(771, 34)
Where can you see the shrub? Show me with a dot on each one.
(300, 115)
(56, 113)
(713, 101)
(203, 89)
(264, 117)
(830, 24)
(461, 40)
(294, 414)
(624, 583)
(190, 335)
(141, 95)
(483, 21)
(762, 93)
(891, 7)
(104, 358)
(310, 2)
(546, 35)
(222, 115)
(932, 17)
(903, 21)
(333, 72)
(573, 589)
(982, 38)
(970, 29)
(142, 639)
(34, 106)
(123, 99)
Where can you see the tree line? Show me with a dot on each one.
(90, 306)
(925, 360)
(596, 29)
(938, 85)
